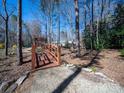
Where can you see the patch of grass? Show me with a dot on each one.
(122, 52)
(93, 69)
(1, 46)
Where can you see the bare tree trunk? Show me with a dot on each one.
(92, 27)
(50, 33)
(6, 19)
(77, 25)
(58, 29)
(97, 32)
(91, 35)
(46, 33)
(59, 23)
(6, 37)
(98, 25)
(92, 18)
(102, 9)
(19, 34)
(109, 5)
(85, 23)
(85, 16)
(49, 30)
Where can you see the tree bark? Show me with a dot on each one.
(97, 32)
(77, 25)
(6, 19)
(46, 33)
(58, 29)
(6, 36)
(91, 35)
(85, 16)
(92, 26)
(50, 32)
(102, 9)
(19, 34)
(92, 18)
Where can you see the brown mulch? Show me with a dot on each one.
(9, 69)
(113, 65)
(107, 61)
(85, 59)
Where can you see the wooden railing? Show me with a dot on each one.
(47, 49)
(54, 50)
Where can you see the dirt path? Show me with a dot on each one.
(113, 65)
(107, 61)
(63, 80)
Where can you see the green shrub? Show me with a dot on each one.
(98, 46)
(1, 45)
(122, 52)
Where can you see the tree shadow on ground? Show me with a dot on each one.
(27, 61)
(84, 55)
(3, 59)
(66, 82)
(94, 60)
(5, 70)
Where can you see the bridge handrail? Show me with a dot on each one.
(52, 49)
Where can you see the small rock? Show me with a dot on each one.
(101, 74)
(70, 65)
(87, 69)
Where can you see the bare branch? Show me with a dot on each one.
(2, 17)
(5, 8)
(11, 13)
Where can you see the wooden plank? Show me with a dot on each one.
(33, 56)
(49, 49)
(51, 54)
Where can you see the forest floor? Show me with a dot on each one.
(8, 65)
(107, 61)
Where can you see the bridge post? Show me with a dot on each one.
(33, 56)
(59, 55)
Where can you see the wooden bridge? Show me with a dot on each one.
(45, 55)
